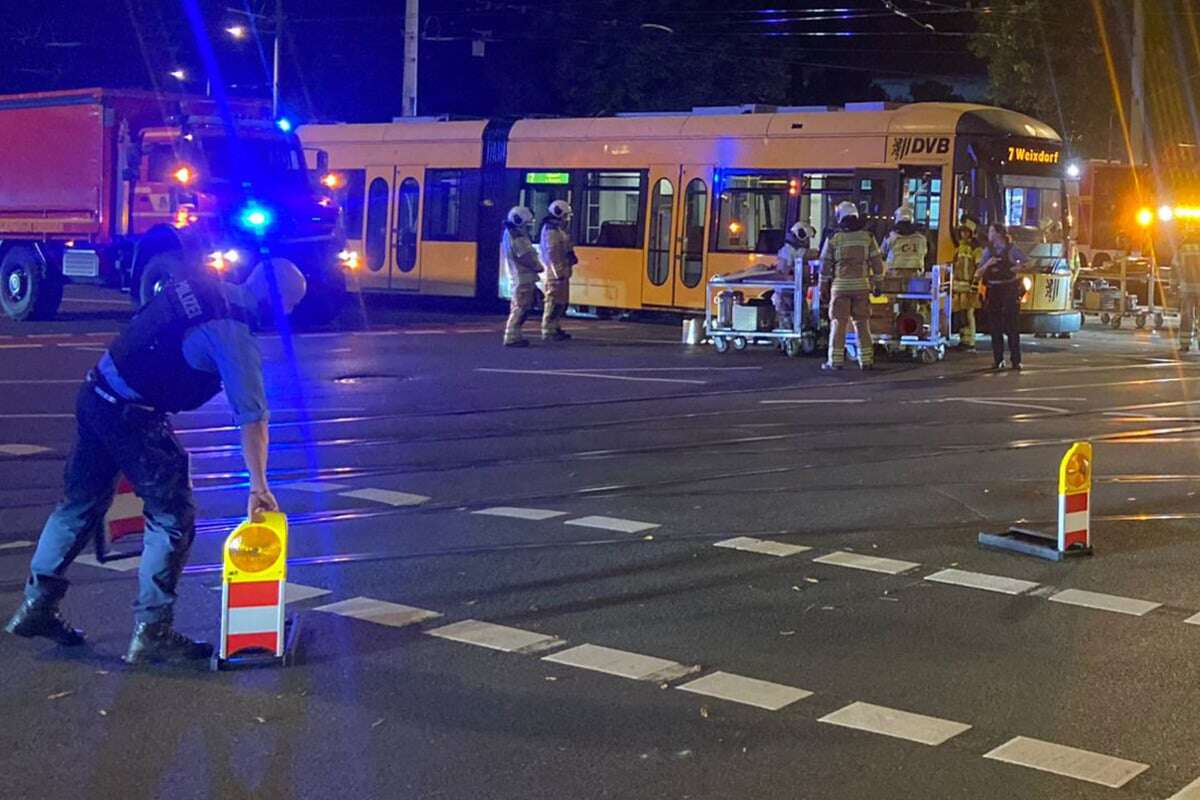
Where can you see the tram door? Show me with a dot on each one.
(676, 232)
(877, 195)
(392, 215)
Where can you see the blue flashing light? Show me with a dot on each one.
(255, 218)
(284, 124)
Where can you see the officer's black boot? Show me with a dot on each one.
(39, 618)
(155, 642)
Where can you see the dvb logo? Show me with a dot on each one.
(905, 146)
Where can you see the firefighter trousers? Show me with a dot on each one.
(846, 308)
(518, 312)
(1189, 305)
(558, 295)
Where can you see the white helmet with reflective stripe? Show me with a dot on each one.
(277, 279)
(520, 215)
(905, 213)
(560, 209)
(803, 231)
(845, 209)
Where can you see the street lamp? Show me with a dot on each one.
(237, 31)
(178, 74)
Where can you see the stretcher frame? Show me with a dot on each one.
(928, 348)
(805, 337)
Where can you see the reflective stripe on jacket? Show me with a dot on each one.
(849, 260)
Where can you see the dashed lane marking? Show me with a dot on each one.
(747, 691)
(1105, 602)
(621, 663)
(612, 524)
(314, 486)
(763, 546)
(843, 401)
(380, 612)
(22, 346)
(37, 381)
(1194, 619)
(979, 580)
(536, 514)
(888, 566)
(387, 496)
(895, 723)
(1189, 792)
(17, 545)
(37, 416)
(1071, 762)
(23, 449)
(497, 637)
(119, 565)
(582, 374)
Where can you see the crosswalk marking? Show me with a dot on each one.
(378, 611)
(23, 449)
(1189, 792)
(979, 580)
(315, 486)
(536, 514)
(748, 691)
(118, 565)
(496, 637)
(621, 663)
(1068, 761)
(1105, 602)
(612, 524)
(763, 546)
(1194, 619)
(893, 722)
(15, 545)
(387, 496)
(888, 566)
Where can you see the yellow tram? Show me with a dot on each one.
(664, 201)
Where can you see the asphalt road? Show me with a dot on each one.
(583, 496)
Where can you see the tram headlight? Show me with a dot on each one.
(1027, 282)
(1166, 213)
(1145, 217)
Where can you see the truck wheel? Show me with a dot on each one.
(160, 270)
(28, 291)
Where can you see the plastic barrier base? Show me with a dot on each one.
(1031, 543)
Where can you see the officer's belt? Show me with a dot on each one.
(106, 393)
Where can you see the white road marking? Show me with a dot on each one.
(1193, 620)
(979, 580)
(763, 546)
(1105, 602)
(844, 401)
(314, 486)
(1068, 761)
(380, 612)
(18, 346)
(39, 381)
(1189, 792)
(612, 524)
(980, 402)
(424, 333)
(97, 302)
(621, 663)
(496, 637)
(888, 566)
(102, 333)
(747, 691)
(37, 416)
(15, 545)
(536, 514)
(387, 496)
(898, 724)
(598, 376)
(23, 449)
(656, 369)
(120, 565)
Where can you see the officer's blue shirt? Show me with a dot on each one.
(225, 347)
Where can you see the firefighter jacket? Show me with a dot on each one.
(850, 260)
(519, 258)
(906, 251)
(1189, 265)
(558, 251)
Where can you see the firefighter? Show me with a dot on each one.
(176, 354)
(851, 270)
(1189, 285)
(792, 257)
(558, 258)
(967, 257)
(522, 265)
(905, 246)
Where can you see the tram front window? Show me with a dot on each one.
(1032, 208)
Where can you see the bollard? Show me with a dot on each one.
(123, 520)
(1074, 536)
(254, 631)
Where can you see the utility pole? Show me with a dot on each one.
(1137, 122)
(412, 24)
(275, 59)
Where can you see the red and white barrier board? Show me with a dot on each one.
(123, 523)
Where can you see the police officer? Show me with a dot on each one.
(998, 270)
(1188, 269)
(851, 269)
(967, 258)
(905, 246)
(175, 356)
(792, 258)
(558, 257)
(522, 265)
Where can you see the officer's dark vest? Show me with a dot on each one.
(149, 354)
(1003, 271)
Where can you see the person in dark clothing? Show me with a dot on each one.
(998, 271)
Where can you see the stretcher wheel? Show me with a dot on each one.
(1116, 322)
(1139, 321)
(1105, 318)
(928, 356)
(1160, 321)
(808, 344)
(740, 343)
(720, 344)
(792, 347)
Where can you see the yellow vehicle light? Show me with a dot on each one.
(332, 180)
(1187, 212)
(184, 217)
(348, 259)
(735, 227)
(184, 175)
(255, 549)
(1166, 213)
(1145, 217)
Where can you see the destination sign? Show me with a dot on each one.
(1032, 155)
(555, 178)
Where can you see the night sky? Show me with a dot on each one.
(343, 60)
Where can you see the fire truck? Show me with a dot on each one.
(131, 189)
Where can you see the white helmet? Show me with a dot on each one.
(520, 215)
(803, 231)
(845, 209)
(905, 213)
(277, 277)
(560, 209)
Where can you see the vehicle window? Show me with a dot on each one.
(751, 211)
(408, 201)
(611, 209)
(250, 159)
(450, 198)
(350, 199)
(820, 192)
(162, 162)
(540, 189)
(658, 256)
(377, 220)
(695, 211)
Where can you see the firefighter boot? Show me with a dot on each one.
(155, 642)
(39, 618)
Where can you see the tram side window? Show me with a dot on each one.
(450, 210)
(751, 213)
(540, 189)
(924, 194)
(819, 195)
(612, 203)
(350, 199)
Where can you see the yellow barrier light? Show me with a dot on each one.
(257, 550)
(1075, 471)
